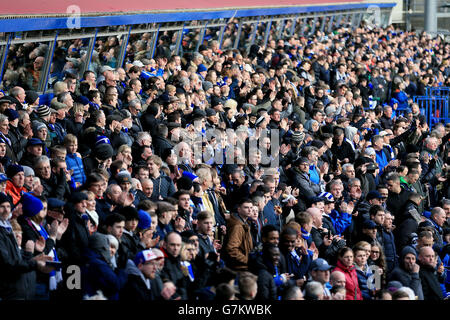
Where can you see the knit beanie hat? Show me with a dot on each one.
(43, 111)
(28, 171)
(31, 96)
(37, 125)
(13, 169)
(11, 114)
(103, 151)
(31, 205)
(207, 85)
(145, 220)
(4, 198)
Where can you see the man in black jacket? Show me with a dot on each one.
(140, 271)
(172, 265)
(430, 284)
(408, 221)
(13, 264)
(397, 195)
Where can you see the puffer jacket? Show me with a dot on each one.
(75, 163)
(238, 244)
(363, 281)
(351, 281)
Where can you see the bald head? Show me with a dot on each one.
(316, 216)
(337, 278)
(172, 244)
(427, 257)
(147, 187)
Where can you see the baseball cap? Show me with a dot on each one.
(145, 256)
(374, 194)
(123, 177)
(320, 264)
(34, 142)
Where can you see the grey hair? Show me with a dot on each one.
(133, 103)
(313, 290)
(41, 159)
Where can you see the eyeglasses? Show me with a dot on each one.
(375, 251)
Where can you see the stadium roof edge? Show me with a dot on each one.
(18, 24)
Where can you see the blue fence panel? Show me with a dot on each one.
(438, 91)
(434, 108)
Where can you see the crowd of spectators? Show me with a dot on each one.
(298, 170)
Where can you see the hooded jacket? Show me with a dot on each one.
(408, 279)
(97, 273)
(351, 281)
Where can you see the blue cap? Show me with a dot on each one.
(3, 178)
(55, 203)
(369, 224)
(320, 264)
(34, 142)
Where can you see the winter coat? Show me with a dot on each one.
(430, 284)
(389, 249)
(408, 223)
(162, 186)
(343, 151)
(76, 238)
(29, 232)
(267, 290)
(97, 274)
(14, 267)
(160, 144)
(301, 180)
(75, 163)
(172, 271)
(18, 142)
(351, 281)
(56, 187)
(298, 268)
(238, 243)
(408, 279)
(363, 280)
(395, 202)
(136, 288)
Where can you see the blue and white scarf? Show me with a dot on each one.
(55, 276)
